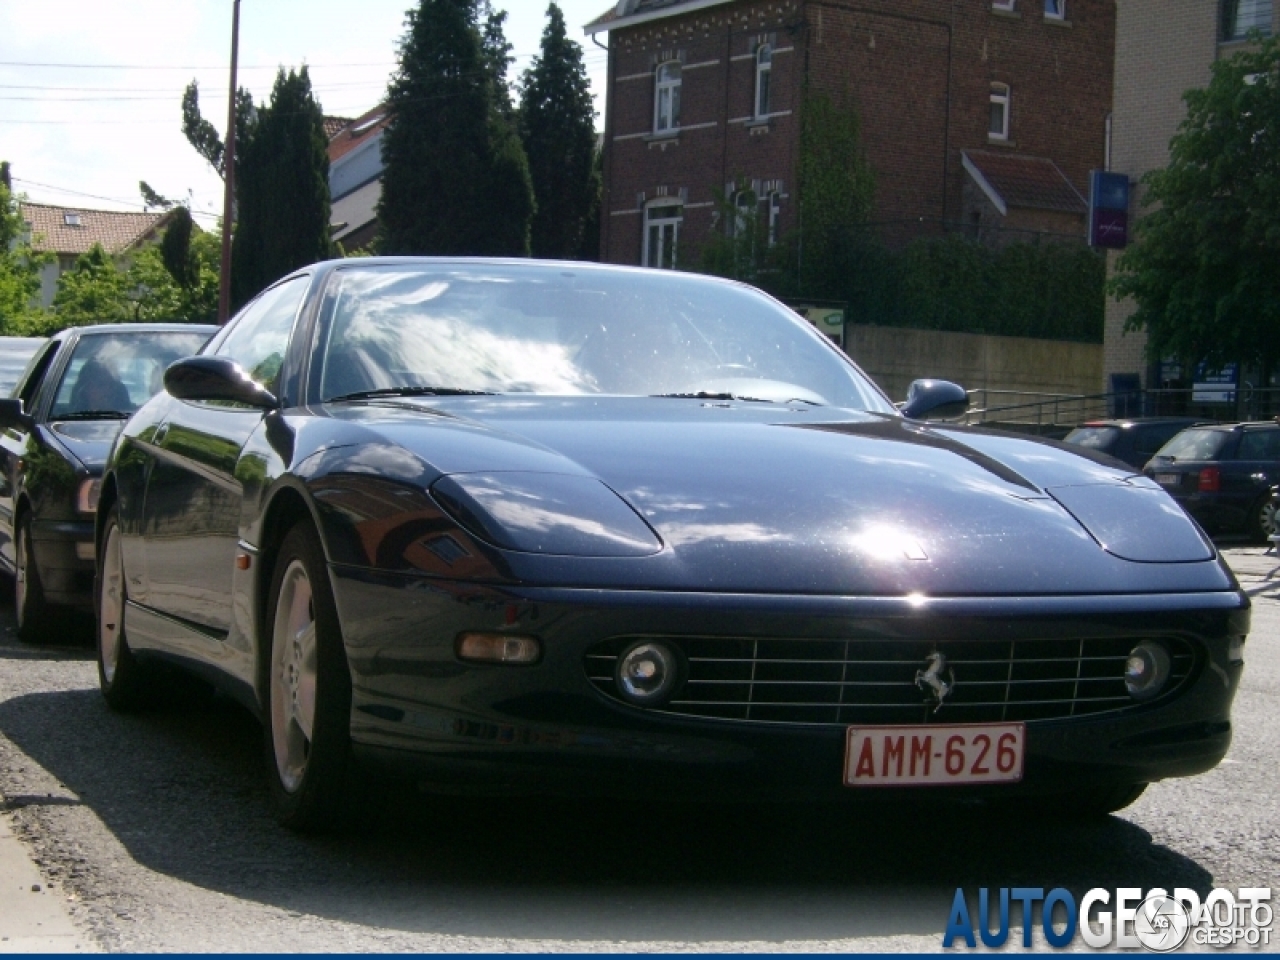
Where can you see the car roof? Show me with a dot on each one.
(1125, 423)
(71, 332)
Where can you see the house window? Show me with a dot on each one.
(1002, 4)
(774, 213)
(666, 99)
(1055, 9)
(764, 72)
(662, 219)
(71, 219)
(1241, 16)
(999, 126)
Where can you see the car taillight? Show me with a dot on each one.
(1210, 480)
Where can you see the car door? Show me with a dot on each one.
(1253, 473)
(15, 442)
(192, 500)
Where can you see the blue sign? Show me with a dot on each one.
(1108, 209)
(1215, 386)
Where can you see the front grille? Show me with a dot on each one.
(874, 681)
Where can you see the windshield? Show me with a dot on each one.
(115, 373)
(514, 328)
(1095, 438)
(1195, 445)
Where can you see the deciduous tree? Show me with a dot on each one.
(1204, 269)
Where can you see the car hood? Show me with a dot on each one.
(88, 440)
(796, 498)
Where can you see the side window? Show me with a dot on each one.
(260, 337)
(39, 367)
(1259, 445)
(1149, 441)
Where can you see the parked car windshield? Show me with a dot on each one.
(1195, 445)
(1095, 438)
(513, 328)
(119, 372)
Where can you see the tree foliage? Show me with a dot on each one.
(456, 178)
(1204, 268)
(19, 267)
(282, 218)
(203, 136)
(557, 125)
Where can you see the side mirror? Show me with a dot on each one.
(216, 378)
(13, 415)
(938, 398)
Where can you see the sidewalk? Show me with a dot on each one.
(33, 918)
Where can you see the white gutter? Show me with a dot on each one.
(591, 30)
(981, 181)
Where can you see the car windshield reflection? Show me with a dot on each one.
(512, 328)
(110, 375)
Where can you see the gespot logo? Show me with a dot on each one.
(1106, 920)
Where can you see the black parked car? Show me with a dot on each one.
(66, 409)
(1222, 475)
(566, 527)
(1134, 440)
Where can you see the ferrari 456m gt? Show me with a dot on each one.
(560, 527)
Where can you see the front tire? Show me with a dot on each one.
(308, 687)
(30, 608)
(1265, 522)
(122, 679)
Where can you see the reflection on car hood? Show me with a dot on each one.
(89, 440)
(795, 498)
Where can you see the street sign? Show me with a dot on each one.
(1108, 210)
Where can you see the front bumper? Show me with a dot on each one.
(64, 557)
(418, 711)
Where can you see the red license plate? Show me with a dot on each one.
(934, 755)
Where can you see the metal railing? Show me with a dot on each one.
(1054, 414)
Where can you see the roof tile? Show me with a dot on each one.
(1028, 182)
(74, 230)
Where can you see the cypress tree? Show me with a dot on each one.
(282, 207)
(456, 179)
(557, 124)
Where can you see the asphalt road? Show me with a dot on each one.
(153, 832)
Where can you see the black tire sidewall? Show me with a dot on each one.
(32, 615)
(317, 802)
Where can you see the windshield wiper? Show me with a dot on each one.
(707, 395)
(410, 392)
(93, 415)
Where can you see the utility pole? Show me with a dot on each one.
(229, 176)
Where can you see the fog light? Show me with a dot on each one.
(647, 673)
(498, 648)
(1146, 671)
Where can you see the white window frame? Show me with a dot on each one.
(773, 214)
(1260, 16)
(743, 203)
(1006, 5)
(666, 96)
(656, 244)
(1001, 96)
(764, 80)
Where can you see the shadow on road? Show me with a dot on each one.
(183, 790)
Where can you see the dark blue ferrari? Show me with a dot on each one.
(565, 528)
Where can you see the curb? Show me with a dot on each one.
(33, 917)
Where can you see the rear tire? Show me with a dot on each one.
(308, 688)
(1263, 522)
(30, 609)
(124, 682)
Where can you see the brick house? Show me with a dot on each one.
(69, 232)
(1163, 48)
(974, 112)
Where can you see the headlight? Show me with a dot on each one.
(548, 513)
(87, 495)
(1147, 670)
(648, 673)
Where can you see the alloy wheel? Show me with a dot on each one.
(293, 676)
(111, 606)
